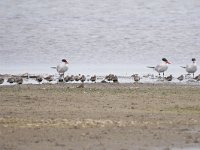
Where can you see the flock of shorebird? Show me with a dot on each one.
(160, 68)
(63, 67)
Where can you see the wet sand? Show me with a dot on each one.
(100, 116)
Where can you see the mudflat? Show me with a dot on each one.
(100, 116)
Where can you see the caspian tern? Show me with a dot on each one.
(191, 68)
(62, 67)
(162, 67)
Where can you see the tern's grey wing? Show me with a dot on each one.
(191, 69)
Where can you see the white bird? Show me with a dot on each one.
(162, 67)
(62, 67)
(191, 68)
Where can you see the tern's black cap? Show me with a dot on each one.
(64, 60)
(193, 59)
(164, 59)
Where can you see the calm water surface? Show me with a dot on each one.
(97, 36)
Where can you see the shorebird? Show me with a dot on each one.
(93, 78)
(83, 78)
(191, 68)
(104, 81)
(38, 79)
(71, 78)
(197, 78)
(67, 78)
(110, 77)
(49, 78)
(11, 80)
(19, 80)
(180, 78)
(1, 80)
(77, 77)
(62, 67)
(169, 78)
(25, 75)
(136, 77)
(162, 67)
(115, 79)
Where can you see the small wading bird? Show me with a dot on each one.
(191, 68)
(83, 78)
(77, 77)
(49, 78)
(162, 67)
(19, 80)
(197, 78)
(11, 80)
(1, 80)
(111, 77)
(71, 78)
(136, 77)
(93, 78)
(180, 78)
(115, 79)
(169, 78)
(67, 78)
(39, 79)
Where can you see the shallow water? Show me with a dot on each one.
(97, 37)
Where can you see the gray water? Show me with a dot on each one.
(98, 35)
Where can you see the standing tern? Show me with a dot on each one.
(162, 67)
(62, 67)
(191, 68)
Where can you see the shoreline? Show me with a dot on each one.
(30, 79)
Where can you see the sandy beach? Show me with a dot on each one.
(100, 116)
